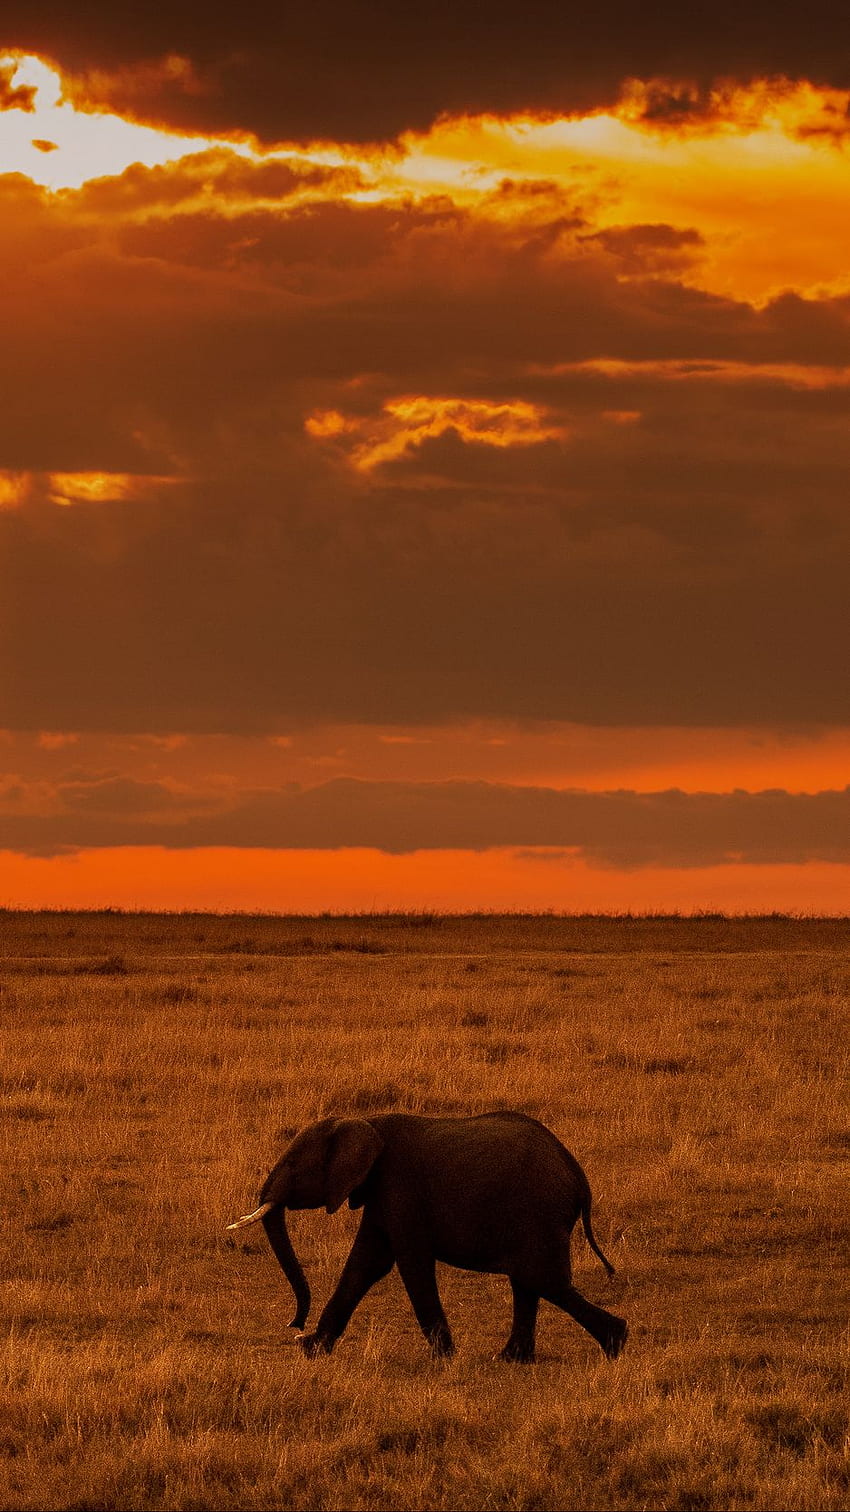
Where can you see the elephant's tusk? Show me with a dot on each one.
(252, 1217)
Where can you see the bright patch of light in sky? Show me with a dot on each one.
(84, 146)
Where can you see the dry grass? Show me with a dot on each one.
(152, 1067)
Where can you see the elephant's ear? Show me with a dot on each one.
(354, 1148)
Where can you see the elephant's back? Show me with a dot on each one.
(510, 1145)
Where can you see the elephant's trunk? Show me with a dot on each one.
(274, 1223)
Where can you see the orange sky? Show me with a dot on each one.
(510, 454)
(369, 881)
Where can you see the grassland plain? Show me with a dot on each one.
(153, 1065)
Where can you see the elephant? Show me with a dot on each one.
(495, 1193)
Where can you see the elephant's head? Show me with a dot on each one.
(323, 1165)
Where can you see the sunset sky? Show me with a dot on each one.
(424, 457)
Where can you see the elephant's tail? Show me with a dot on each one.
(252, 1217)
(591, 1237)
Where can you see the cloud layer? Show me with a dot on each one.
(617, 829)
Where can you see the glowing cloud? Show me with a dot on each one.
(66, 488)
(72, 488)
(14, 487)
(14, 96)
(406, 422)
(757, 173)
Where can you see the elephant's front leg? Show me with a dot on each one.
(418, 1271)
(520, 1345)
(371, 1258)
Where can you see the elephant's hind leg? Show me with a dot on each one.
(371, 1258)
(609, 1331)
(520, 1345)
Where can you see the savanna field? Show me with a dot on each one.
(154, 1066)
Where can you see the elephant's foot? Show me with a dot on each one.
(442, 1346)
(315, 1343)
(518, 1352)
(616, 1340)
(442, 1351)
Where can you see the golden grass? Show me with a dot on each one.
(154, 1065)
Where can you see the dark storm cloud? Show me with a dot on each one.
(344, 71)
(622, 829)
